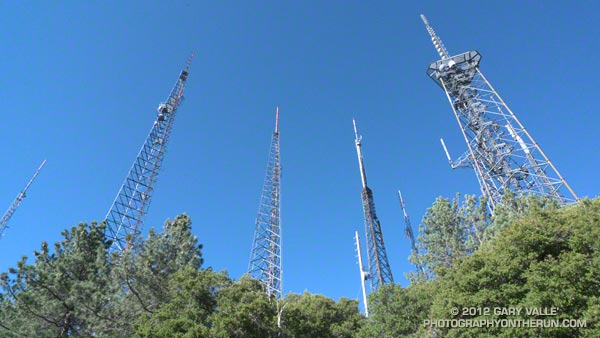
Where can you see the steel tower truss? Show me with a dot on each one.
(265, 258)
(500, 149)
(125, 217)
(379, 268)
(20, 197)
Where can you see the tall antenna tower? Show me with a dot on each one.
(500, 149)
(126, 215)
(364, 275)
(379, 268)
(20, 197)
(408, 231)
(265, 259)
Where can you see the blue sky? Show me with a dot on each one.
(81, 82)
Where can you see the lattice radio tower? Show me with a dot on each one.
(500, 149)
(125, 217)
(15, 204)
(380, 272)
(265, 258)
(408, 231)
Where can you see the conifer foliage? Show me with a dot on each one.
(530, 254)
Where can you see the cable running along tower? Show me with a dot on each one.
(379, 268)
(127, 212)
(408, 231)
(500, 149)
(20, 197)
(265, 258)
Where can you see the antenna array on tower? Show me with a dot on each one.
(502, 153)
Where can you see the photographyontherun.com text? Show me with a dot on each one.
(541, 318)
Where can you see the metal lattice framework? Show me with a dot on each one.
(20, 197)
(125, 217)
(408, 231)
(265, 259)
(500, 150)
(380, 272)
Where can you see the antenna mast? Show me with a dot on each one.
(265, 258)
(437, 42)
(363, 274)
(379, 267)
(409, 233)
(13, 207)
(363, 174)
(125, 217)
(501, 151)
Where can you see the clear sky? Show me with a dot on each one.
(81, 81)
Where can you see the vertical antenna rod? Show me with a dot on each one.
(363, 175)
(363, 274)
(501, 151)
(437, 41)
(265, 258)
(379, 267)
(125, 217)
(277, 121)
(447, 153)
(11, 210)
(409, 233)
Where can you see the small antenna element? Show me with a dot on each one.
(446, 151)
